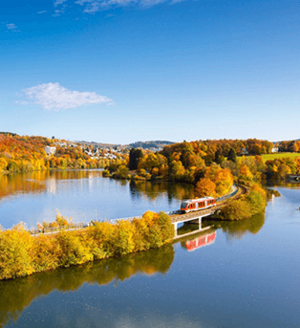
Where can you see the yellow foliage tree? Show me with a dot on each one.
(15, 248)
(205, 187)
(245, 172)
(222, 178)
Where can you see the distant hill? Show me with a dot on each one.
(151, 144)
(9, 133)
(154, 144)
(99, 144)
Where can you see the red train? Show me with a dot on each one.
(190, 205)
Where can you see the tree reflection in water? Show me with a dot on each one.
(17, 294)
(40, 181)
(35, 182)
(238, 229)
(152, 190)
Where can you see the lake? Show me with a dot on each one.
(237, 274)
(83, 195)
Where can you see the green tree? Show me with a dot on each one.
(134, 157)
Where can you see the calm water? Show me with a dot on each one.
(83, 195)
(238, 274)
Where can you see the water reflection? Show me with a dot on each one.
(201, 241)
(15, 184)
(238, 229)
(83, 195)
(18, 294)
(40, 181)
(152, 190)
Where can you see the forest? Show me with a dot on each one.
(212, 165)
(27, 153)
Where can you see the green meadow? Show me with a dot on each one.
(268, 157)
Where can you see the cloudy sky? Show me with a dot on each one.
(120, 71)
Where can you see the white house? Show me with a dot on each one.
(244, 151)
(50, 150)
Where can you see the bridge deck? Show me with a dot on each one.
(194, 215)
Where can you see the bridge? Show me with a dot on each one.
(197, 216)
(194, 217)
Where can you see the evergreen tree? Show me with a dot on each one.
(134, 157)
(232, 155)
(218, 156)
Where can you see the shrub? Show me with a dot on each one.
(239, 209)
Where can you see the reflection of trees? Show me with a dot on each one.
(17, 294)
(34, 182)
(152, 190)
(121, 182)
(237, 229)
(15, 183)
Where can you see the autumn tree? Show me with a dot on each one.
(205, 187)
(222, 178)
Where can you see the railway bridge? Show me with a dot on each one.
(194, 217)
(197, 216)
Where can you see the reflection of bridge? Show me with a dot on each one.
(194, 217)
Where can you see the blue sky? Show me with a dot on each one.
(120, 71)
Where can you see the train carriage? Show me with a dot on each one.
(190, 205)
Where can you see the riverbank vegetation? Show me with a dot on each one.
(22, 254)
(246, 206)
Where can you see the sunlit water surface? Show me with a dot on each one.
(248, 275)
(83, 195)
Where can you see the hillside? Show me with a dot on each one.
(151, 144)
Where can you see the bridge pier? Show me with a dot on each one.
(175, 227)
(198, 220)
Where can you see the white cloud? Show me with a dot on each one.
(11, 26)
(61, 6)
(54, 96)
(59, 2)
(42, 12)
(92, 6)
(176, 1)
